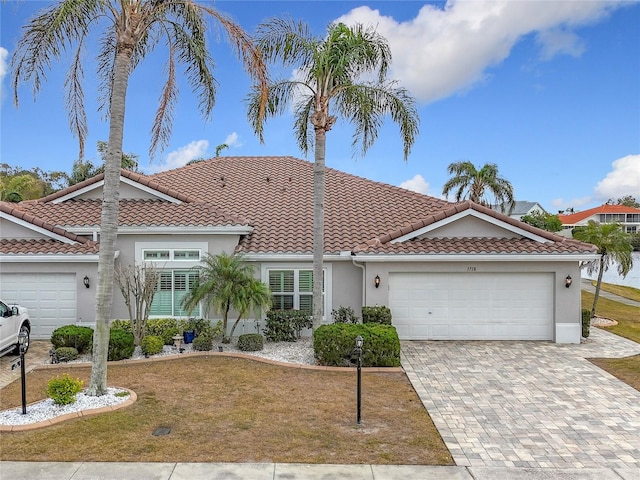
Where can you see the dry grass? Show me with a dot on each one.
(628, 318)
(224, 409)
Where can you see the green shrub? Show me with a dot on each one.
(286, 325)
(250, 342)
(202, 343)
(586, 323)
(80, 338)
(378, 314)
(344, 315)
(200, 326)
(65, 354)
(335, 344)
(120, 344)
(166, 328)
(122, 325)
(151, 344)
(63, 390)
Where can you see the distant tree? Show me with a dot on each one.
(221, 147)
(226, 282)
(627, 201)
(129, 160)
(22, 185)
(614, 247)
(545, 221)
(472, 184)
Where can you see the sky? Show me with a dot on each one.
(548, 91)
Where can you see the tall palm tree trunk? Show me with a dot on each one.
(598, 285)
(109, 222)
(318, 223)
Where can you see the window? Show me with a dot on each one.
(631, 229)
(173, 286)
(292, 289)
(169, 254)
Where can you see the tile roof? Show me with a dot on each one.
(557, 243)
(574, 218)
(134, 212)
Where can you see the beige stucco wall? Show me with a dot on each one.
(13, 230)
(469, 226)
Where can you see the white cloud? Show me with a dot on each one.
(233, 140)
(576, 203)
(4, 55)
(443, 51)
(416, 184)
(180, 157)
(623, 180)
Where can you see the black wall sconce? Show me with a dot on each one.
(376, 281)
(568, 281)
(85, 280)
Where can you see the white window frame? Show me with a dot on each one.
(172, 254)
(296, 267)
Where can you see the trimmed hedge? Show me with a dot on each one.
(120, 345)
(586, 322)
(151, 344)
(378, 314)
(334, 344)
(165, 328)
(250, 342)
(286, 325)
(64, 354)
(344, 315)
(202, 343)
(80, 338)
(63, 390)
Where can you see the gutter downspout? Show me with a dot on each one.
(364, 289)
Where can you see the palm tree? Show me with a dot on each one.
(226, 283)
(614, 246)
(473, 184)
(330, 71)
(132, 31)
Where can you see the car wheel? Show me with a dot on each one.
(16, 350)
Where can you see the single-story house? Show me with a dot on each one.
(447, 271)
(627, 217)
(520, 209)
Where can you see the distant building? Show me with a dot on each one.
(520, 209)
(627, 217)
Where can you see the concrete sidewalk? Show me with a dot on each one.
(281, 471)
(585, 284)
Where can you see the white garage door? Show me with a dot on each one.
(474, 306)
(50, 298)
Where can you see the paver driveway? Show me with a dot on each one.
(528, 404)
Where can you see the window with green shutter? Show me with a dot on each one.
(291, 289)
(173, 286)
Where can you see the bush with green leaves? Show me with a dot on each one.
(586, 322)
(121, 345)
(378, 314)
(166, 328)
(151, 345)
(63, 390)
(250, 342)
(334, 344)
(64, 354)
(122, 325)
(80, 338)
(202, 343)
(200, 326)
(344, 315)
(286, 325)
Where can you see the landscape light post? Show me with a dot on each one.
(22, 345)
(359, 342)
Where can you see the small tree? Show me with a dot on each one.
(545, 221)
(613, 246)
(226, 283)
(138, 285)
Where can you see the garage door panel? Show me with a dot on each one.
(472, 306)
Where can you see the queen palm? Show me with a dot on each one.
(472, 184)
(329, 83)
(226, 283)
(614, 247)
(131, 29)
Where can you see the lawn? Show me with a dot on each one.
(628, 318)
(627, 292)
(223, 409)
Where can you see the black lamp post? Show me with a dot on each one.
(22, 345)
(359, 342)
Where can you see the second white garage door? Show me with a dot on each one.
(50, 298)
(474, 306)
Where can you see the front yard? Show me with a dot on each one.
(224, 409)
(628, 318)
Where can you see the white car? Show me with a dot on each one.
(13, 320)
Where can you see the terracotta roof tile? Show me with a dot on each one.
(574, 218)
(46, 246)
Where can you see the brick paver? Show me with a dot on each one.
(37, 355)
(528, 404)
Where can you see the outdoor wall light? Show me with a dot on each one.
(568, 281)
(376, 281)
(86, 281)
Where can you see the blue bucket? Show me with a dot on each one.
(188, 336)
